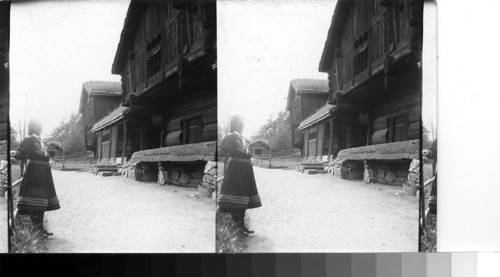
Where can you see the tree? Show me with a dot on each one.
(14, 141)
(277, 132)
(69, 134)
(428, 136)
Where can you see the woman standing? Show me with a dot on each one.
(238, 190)
(37, 193)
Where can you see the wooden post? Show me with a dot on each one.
(124, 144)
(330, 150)
(270, 155)
(161, 131)
(64, 160)
(368, 128)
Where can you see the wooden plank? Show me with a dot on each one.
(414, 131)
(174, 125)
(210, 116)
(204, 151)
(379, 136)
(414, 114)
(387, 151)
(173, 138)
(380, 123)
(209, 132)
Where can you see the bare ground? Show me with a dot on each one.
(324, 213)
(3, 226)
(118, 214)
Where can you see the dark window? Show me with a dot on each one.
(105, 137)
(361, 53)
(258, 151)
(312, 135)
(153, 64)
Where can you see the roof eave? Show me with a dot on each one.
(312, 122)
(121, 49)
(335, 27)
(107, 123)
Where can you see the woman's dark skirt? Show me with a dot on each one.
(238, 190)
(37, 192)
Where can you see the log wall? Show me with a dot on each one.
(404, 106)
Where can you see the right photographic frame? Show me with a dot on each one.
(321, 133)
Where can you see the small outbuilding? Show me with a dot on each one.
(260, 148)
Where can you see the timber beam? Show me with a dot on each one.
(387, 151)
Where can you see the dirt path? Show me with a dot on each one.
(118, 214)
(3, 226)
(323, 213)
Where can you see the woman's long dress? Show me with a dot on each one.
(37, 192)
(238, 190)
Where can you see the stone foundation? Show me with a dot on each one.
(386, 172)
(208, 186)
(398, 172)
(185, 175)
(146, 172)
(412, 184)
(201, 175)
(351, 170)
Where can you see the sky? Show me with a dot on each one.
(55, 47)
(262, 45)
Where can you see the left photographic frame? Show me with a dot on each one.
(4, 106)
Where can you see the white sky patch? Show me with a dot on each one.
(262, 45)
(55, 47)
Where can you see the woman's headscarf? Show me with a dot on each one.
(32, 123)
(233, 121)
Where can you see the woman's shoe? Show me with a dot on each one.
(248, 231)
(47, 233)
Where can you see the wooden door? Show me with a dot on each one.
(306, 143)
(99, 146)
(105, 151)
(312, 143)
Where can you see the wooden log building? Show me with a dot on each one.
(259, 148)
(373, 58)
(305, 96)
(166, 127)
(98, 99)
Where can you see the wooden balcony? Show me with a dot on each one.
(179, 43)
(368, 54)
